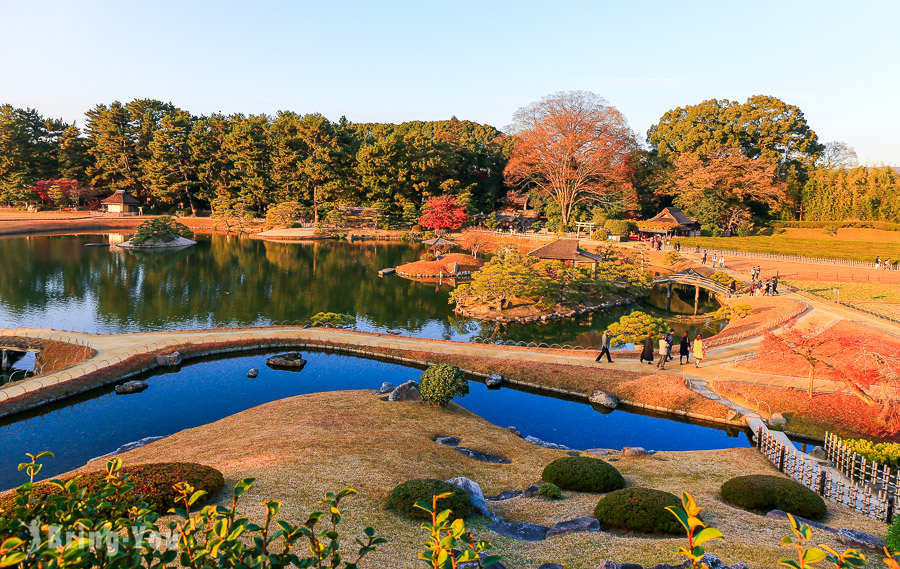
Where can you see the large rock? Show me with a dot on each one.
(733, 415)
(859, 539)
(634, 451)
(494, 380)
(777, 422)
(408, 391)
(252, 373)
(545, 444)
(604, 399)
(818, 453)
(130, 387)
(584, 523)
(386, 387)
(168, 360)
(505, 495)
(521, 531)
(447, 441)
(290, 360)
(474, 490)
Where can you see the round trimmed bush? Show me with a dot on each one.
(405, 495)
(441, 383)
(550, 490)
(583, 474)
(152, 482)
(761, 493)
(639, 509)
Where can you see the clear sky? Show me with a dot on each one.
(397, 61)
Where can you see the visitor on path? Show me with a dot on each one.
(647, 352)
(877, 263)
(775, 286)
(704, 257)
(715, 260)
(663, 346)
(604, 347)
(722, 262)
(670, 341)
(768, 288)
(684, 349)
(699, 352)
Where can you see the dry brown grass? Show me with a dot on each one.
(300, 447)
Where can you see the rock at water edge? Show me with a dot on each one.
(604, 399)
(494, 380)
(409, 391)
(130, 387)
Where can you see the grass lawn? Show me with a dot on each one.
(851, 244)
(879, 298)
(300, 447)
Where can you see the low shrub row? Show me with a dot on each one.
(882, 453)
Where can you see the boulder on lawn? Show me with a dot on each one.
(604, 399)
(777, 421)
(818, 453)
(494, 380)
(474, 490)
(169, 360)
(386, 387)
(408, 391)
(130, 387)
(634, 451)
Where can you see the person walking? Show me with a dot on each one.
(704, 256)
(604, 347)
(722, 261)
(768, 288)
(647, 352)
(775, 285)
(699, 352)
(684, 349)
(715, 260)
(663, 346)
(670, 341)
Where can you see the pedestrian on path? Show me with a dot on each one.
(775, 285)
(670, 341)
(699, 352)
(663, 346)
(684, 349)
(722, 262)
(704, 256)
(715, 260)
(647, 352)
(604, 347)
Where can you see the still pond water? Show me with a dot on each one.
(203, 392)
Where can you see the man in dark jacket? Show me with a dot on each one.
(604, 347)
(647, 352)
(670, 341)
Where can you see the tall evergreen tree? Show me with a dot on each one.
(169, 169)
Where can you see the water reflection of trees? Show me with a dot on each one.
(221, 280)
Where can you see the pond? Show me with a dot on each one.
(99, 422)
(58, 282)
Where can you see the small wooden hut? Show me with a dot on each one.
(671, 221)
(567, 251)
(121, 203)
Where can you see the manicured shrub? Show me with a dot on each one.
(404, 497)
(583, 474)
(639, 509)
(549, 490)
(762, 493)
(440, 383)
(634, 327)
(160, 229)
(620, 227)
(153, 482)
(333, 320)
(600, 234)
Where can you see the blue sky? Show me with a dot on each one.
(396, 61)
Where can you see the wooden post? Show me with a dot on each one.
(820, 485)
(696, 298)
(889, 513)
(3, 360)
(781, 458)
(759, 437)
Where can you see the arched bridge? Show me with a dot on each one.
(694, 279)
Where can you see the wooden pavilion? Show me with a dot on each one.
(567, 251)
(121, 203)
(671, 221)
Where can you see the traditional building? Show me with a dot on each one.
(671, 221)
(121, 203)
(567, 251)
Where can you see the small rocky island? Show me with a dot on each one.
(291, 360)
(160, 233)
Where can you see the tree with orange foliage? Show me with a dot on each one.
(821, 352)
(441, 213)
(572, 147)
(475, 240)
(721, 189)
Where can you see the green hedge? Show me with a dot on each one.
(761, 493)
(882, 453)
(639, 509)
(583, 474)
(403, 498)
(152, 481)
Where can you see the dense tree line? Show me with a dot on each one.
(866, 194)
(167, 156)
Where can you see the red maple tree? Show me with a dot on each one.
(441, 213)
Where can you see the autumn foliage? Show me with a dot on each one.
(442, 213)
(572, 147)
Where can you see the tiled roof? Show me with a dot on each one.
(120, 198)
(562, 250)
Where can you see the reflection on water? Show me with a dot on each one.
(209, 390)
(55, 281)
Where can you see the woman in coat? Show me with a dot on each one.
(663, 350)
(684, 349)
(647, 352)
(699, 352)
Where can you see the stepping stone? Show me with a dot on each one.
(584, 523)
(521, 531)
(447, 441)
(505, 495)
(482, 456)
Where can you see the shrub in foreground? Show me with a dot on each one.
(404, 497)
(583, 474)
(893, 535)
(441, 383)
(639, 509)
(762, 493)
(550, 491)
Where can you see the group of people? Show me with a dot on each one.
(887, 265)
(760, 286)
(717, 260)
(664, 353)
(656, 243)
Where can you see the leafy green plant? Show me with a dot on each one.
(440, 383)
(722, 278)
(583, 474)
(638, 509)
(160, 229)
(449, 544)
(882, 453)
(619, 227)
(807, 556)
(282, 215)
(733, 312)
(688, 516)
(892, 560)
(426, 256)
(634, 327)
(601, 234)
(406, 495)
(761, 493)
(333, 320)
(893, 535)
(550, 490)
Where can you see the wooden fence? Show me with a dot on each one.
(775, 256)
(859, 469)
(863, 497)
